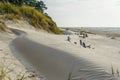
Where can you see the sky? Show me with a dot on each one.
(84, 13)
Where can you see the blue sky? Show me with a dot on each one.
(84, 13)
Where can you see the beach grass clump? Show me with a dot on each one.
(33, 16)
(115, 72)
(118, 74)
(4, 74)
(3, 27)
(8, 74)
(70, 76)
(21, 76)
(7, 8)
(9, 11)
(39, 20)
(112, 70)
(36, 18)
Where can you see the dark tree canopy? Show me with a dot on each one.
(39, 5)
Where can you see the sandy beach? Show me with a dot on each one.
(52, 56)
(104, 52)
(59, 40)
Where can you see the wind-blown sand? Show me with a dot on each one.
(87, 64)
(106, 51)
(55, 57)
(56, 64)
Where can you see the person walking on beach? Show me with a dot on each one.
(84, 45)
(81, 42)
(68, 38)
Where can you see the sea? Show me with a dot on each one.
(103, 28)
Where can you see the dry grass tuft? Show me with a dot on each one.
(3, 27)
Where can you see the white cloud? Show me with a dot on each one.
(84, 12)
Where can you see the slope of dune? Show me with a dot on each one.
(56, 54)
(104, 51)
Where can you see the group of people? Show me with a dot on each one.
(81, 42)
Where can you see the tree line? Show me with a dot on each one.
(39, 5)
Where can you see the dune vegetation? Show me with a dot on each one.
(35, 17)
(3, 27)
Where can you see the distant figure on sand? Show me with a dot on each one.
(81, 42)
(85, 35)
(84, 45)
(68, 38)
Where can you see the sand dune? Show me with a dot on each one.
(57, 64)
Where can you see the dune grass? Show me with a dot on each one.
(112, 70)
(115, 72)
(33, 16)
(70, 76)
(4, 75)
(8, 8)
(3, 27)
